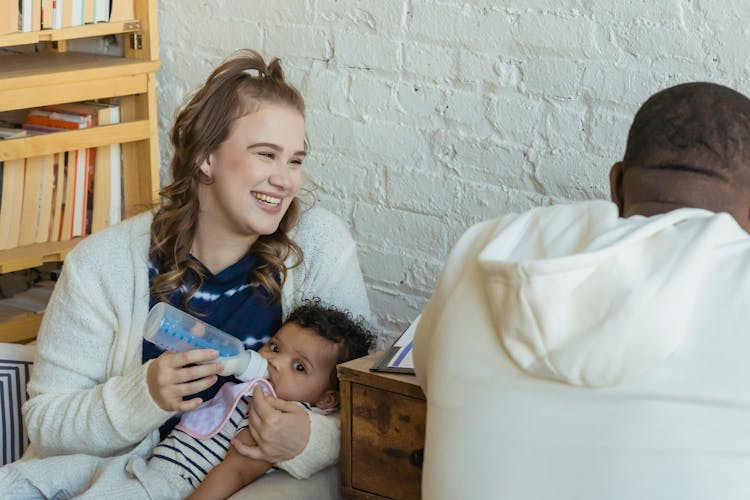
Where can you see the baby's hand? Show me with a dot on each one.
(169, 379)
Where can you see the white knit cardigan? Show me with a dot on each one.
(88, 391)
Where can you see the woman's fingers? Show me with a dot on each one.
(182, 375)
(195, 386)
(260, 407)
(195, 356)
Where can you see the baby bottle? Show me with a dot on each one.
(177, 331)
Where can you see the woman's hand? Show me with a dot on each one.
(280, 428)
(169, 379)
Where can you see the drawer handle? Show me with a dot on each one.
(416, 458)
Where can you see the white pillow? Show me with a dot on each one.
(15, 370)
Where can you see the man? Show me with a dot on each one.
(600, 350)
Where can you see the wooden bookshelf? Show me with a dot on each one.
(20, 329)
(73, 139)
(71, 33)
(55, 77)
(28, 256)
(31, 79)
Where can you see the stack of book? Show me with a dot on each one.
(35, 15)
(61, 196)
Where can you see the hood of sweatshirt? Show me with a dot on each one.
(579, 295)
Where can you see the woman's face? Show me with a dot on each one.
(256, 172)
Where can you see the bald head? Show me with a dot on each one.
(688, 146)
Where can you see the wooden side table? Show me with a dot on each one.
(382, 432)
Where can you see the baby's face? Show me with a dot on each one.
(299, 363)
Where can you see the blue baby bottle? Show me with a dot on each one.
(177, 331)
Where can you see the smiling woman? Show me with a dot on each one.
(229, 243)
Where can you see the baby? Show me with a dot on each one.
(302, 358)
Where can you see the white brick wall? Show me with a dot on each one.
(426, 116)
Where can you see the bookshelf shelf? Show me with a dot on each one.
(27, 256)
(73, 139)
(85, 31)
(42, 79)
(53, 75)
(21, 328)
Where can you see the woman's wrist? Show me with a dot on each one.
(321, 450)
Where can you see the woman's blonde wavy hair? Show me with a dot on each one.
(236, 88)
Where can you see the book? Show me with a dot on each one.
(36, 15)
(77, 12)
(101, 11)
(69, 170)
(47, 13)
(44, 218)
(11, 202)
(67, 17)
(115, 175)
(121, 10)
(57, 13)
(54, 119)
(41, 128)
(9, 16)
(31, 15)
(32, 183)
(80, 191)
(88, 11)
(58, 195)
(398, 358)
(11, 133)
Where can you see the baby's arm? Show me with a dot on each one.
(232, 474)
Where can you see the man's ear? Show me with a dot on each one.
(615, 186)
(328, 400)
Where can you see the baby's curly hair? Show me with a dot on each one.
(351, 335)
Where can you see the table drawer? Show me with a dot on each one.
(387, 442)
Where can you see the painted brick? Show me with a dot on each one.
(618, 83)
(576, 174)
(417, 190)
(516, 117)
(483, 160)
(382, 17)
(552, 78)
(606, 11)
(436, 62)
(607, 132)
(339, 176)
(309, 42)
(565, 125)
(468, 108)
(370, 96)
(483, 27)
(420, 101)
(269, 11)
(326, 91)
(392, 142)
(479, 68)
(366, 52)
(569, 35)
(383, 227)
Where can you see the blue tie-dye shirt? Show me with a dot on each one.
(228, 302)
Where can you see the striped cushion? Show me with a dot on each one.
(15, 369)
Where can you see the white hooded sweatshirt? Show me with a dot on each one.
(571, 354)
